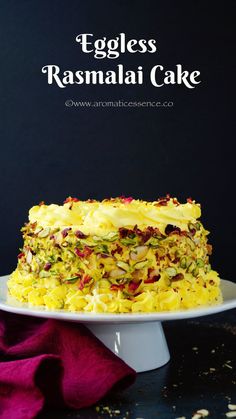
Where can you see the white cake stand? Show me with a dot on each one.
(138, 339)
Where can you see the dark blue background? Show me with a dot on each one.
(49, 151)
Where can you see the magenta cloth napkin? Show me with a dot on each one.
(55, 363)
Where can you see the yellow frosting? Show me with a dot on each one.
(99, 218)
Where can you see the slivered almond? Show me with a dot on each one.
(44, 233)
(201, 413)
(29, 257)
(232, 406)
(116, 272)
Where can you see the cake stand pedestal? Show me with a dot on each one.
(141, 345)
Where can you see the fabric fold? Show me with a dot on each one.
(55, 363)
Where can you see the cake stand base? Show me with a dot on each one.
(141, 345)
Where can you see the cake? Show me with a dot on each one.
(119, 255)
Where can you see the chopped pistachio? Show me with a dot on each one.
(101, 248)
(161, 250)
(195, 271)
(128, 241)
(183, 262)
(171, 271)
(178, 253)
(71, 280)
(85, 242)
(64, 244)
(111, 237)
(44, 274)
(97, 238)
(191, 243)
(191, 226)
(200, 263)
(191, 267)
(188, 262)
(70, 255)
(208, 267)
(123, 265)
(51, 258)
(153, 242)
(141, 265)
(197, 225)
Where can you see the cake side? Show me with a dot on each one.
(118, 255)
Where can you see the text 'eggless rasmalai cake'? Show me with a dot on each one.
(120, 255)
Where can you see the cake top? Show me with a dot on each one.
(101, 217)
